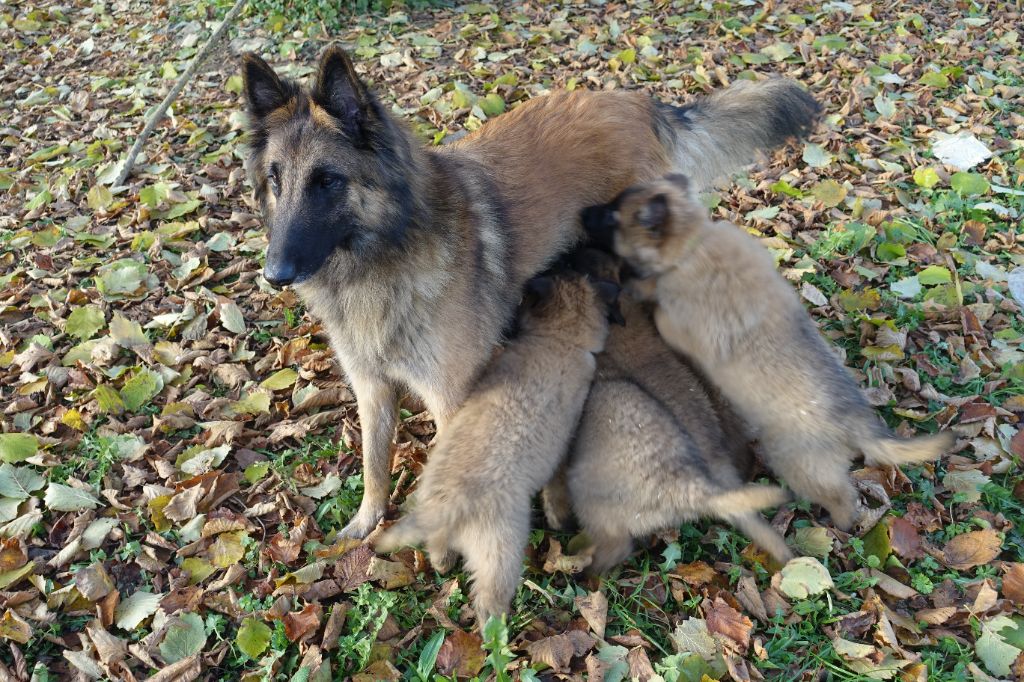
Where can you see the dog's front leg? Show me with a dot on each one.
(377, 400)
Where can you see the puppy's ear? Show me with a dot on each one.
(339, 91)
(264, 90)
(540, 287)
(654, 215)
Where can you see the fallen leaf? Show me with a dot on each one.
(60, 497)
(975, 548)
(594, 609)
(253, 637)
(803, 577)
(461, 655)
(904, 538)
(992, 648)
(693, 636)
(724, 620)
(138, 607)
(1013, 582)
(94, 582)
(390, 574)
(302, 624)
(185, 637)
(15, 628)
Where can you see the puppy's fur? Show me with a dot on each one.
(414, 258)
(492, 457)
(650, 452)
(722, 303)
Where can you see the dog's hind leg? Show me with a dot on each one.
(377, 400)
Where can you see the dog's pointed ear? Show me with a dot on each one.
(654, 216)
(339, 90)
(264, 90)
(608, 293)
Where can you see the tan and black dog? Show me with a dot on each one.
(506, 441)
(414, 258)
(723, 304)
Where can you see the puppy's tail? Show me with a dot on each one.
(895, 451)
(740, 508)
(720, 133)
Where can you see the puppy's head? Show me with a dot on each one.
(569, 306)
(644, 217)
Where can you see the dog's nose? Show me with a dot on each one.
(279, 274)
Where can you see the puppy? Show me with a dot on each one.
(506, 441)
(722, 303)
(650, 452)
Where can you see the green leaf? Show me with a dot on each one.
(815, 155)
(231, 317)
(935, 79)
(61, 497)
(99, 198)
(20, 482)
(778, 51)
(84, 322)
(829, 192)
(926, 177)
(198, 569)
(185, 637)
(130, 613)
(120, 278)
(322, 489)
(907, 288)
(254, 637)
(877, 543)
(227, 549)
(198, 460)
(109, 400)
(992, 648)
(141, 388)
(256, 471)
(627, 56)
(969, 184)
(256, 402)
(428, 657)
(153, 195)
(832, 42)
(178, 210)
(492, 104)
(783, 187)
(888, 252)
(813, 541)
(281, 379)
(234, 84)
(934, 274)
(885, 107)
(127, 333)
(17, 447)
(168, 71)
(804, 576)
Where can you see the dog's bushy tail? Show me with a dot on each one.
(740, 507)
(895, 451)
(720, 133)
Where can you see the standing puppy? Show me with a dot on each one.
(499, 449)
(722, 303)
(414, 258)
(650, 452)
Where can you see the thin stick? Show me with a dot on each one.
(158, 114)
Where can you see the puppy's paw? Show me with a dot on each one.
(365, 520)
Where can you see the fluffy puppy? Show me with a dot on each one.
(650, 452)
(506, 441)
(722, 303)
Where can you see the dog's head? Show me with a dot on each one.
(643, 217)
(570, 306)
(329, 166)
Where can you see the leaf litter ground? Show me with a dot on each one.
(178, 450)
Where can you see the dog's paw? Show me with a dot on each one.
(363, 523)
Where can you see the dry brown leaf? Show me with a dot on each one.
(556, 562)
(351, 568)
(12, 554)
(1013, 583)
(390, 574)
(378, 671)
(556, 652)
(594, 609)
(93, 582)
(975, 548)
(184, 670)
(726, 621)
(640, 667)
(302, 624)
(904, 538)
(461, 655)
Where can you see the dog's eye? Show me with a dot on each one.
(330, 181)
(275, 185)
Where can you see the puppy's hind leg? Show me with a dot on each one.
(609, 547)
(557, 502)
(493, 554)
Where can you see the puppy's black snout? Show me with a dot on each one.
(599, 222)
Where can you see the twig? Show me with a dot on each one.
(158, 114)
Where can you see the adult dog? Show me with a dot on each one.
(414, 257)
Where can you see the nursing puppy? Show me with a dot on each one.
(498, 450)
(650, 453)
(722, 303)
(414, 257)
